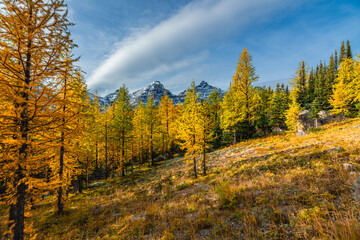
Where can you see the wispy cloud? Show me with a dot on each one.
(178, 42)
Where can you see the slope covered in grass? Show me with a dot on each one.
(271, 188)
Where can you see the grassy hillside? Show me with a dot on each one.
(271, 188)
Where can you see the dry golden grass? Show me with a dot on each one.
(278, 187)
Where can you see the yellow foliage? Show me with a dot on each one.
(242, 101)
(342, 92)
(292, 116)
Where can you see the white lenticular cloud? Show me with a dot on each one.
(177, 42)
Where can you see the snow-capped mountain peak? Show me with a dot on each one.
(157, 90)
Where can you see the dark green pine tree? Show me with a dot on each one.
(316, 106)
(336, 61)
(263, 123)
(278, 106)
(321, 87)
(348, 52)
(300, 82)
(282, 87)
(215, 108)
(287, 91)
(330, 78)
(342, 55)
(310, 88)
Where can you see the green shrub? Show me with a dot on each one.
(229, 198)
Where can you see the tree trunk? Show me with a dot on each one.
(194, 160)
(132, 158)
(204, 159)
(87, 172)
(123, 153)
(106, 151)
(18, 230)
(234, 136)
(79, 182)
(60, 204)
(151, 146)
(19, 211)
(11, 215)
(96, 155)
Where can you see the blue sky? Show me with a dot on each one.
(178, 41)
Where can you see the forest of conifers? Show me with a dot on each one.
(55, 138)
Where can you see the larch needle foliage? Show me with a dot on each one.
(151, 127)
(355, 87)
(53, 131)
(188, 125)
(292, 114)
(194, 128)
(122, 126)
(342, 93)
(71, 107)
(242, 101)
(167, 115)
(33, 36)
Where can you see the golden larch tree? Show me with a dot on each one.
(167, 116)
(33, 35)
(139, 132)
(242, 101)
(122, 126)
(151, 122)
(292, 114)
(205, 133)
(342, 90)
(188, 126)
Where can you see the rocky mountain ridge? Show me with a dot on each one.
(157, 90)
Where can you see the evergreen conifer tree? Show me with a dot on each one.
(348, 52)
(342, 54)
(321, 87)
(311, 88)
(278, 106)
(301, 84)
(215, 111)
(263, 123)
(336, 61)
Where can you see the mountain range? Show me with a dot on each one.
(157, 90)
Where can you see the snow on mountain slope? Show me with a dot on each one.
(157, 90)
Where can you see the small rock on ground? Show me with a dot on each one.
(140, 216)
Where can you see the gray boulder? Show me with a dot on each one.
(304, 123)
(277, 130)
(325, 117)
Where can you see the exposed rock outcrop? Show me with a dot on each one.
(306, 121)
